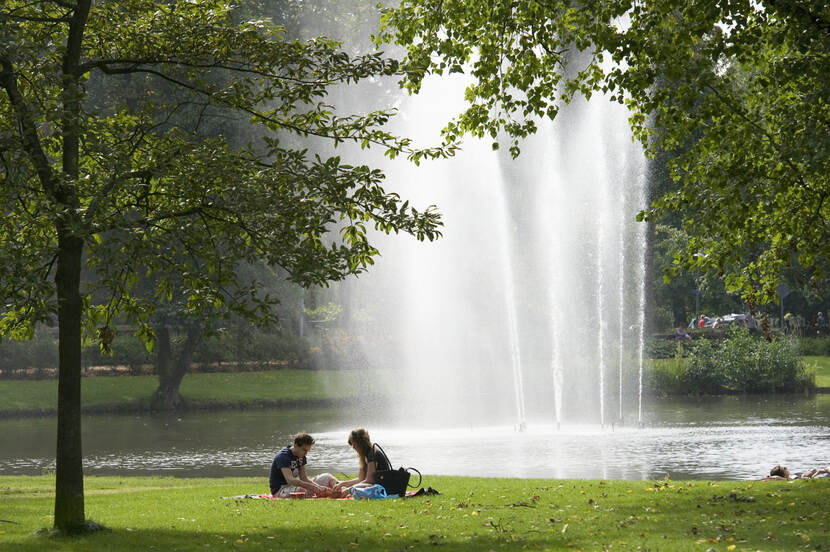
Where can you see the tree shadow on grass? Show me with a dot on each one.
(287, 539)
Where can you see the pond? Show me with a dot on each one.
(712, 438)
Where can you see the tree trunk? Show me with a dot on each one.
(69, 485)
(678, 307)
(69, 471)
(171, 368)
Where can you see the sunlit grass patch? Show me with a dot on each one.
(470, 514)
(822, 366)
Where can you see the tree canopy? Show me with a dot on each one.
(736, 92)
(107, 171)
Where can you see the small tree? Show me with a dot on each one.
(118, 189)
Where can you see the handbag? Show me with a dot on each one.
(395, 481)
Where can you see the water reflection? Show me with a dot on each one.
(725, 438)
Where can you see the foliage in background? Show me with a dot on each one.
(814, 346)
(235, 349)
(740, 362)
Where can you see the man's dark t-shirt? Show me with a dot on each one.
(284, 459)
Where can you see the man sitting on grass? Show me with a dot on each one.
(288, 471)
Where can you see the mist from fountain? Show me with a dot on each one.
(518, 314)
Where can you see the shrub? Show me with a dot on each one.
(660, 347)
(746, 363)
(662, 376)
(39, 353)
(814, 346)
(760, 366)
(127, 350)
(704, 369)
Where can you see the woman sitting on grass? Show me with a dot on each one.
(371, 461)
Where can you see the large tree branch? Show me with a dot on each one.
(135, 65)
(303, 131)
(39, 19)
(71, 100)
(27, 128)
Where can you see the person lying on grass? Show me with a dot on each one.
(371, 461)
(781, 472)
(288, 474)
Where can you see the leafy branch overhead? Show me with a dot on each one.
(735, 92)
(162, 187)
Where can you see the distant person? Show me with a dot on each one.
(821, 323)
(371, 460)
(702, 322)
(788, 322)
(288, 474)
(718, 322)
(681, 333)
(781, 472)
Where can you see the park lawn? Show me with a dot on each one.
(226, 387)
(822, 365)
(471, 514)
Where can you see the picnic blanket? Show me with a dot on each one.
(272, 497)
(266, 496)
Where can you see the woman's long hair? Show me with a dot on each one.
(359, 439)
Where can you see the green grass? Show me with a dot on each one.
(471, 514)
(228, 387)
(822, 365)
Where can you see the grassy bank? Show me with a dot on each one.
(242, 387)
(470, 514)
(206, 389)
(822, 366)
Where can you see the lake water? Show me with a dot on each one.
(712, 438)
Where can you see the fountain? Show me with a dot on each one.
(530, 309)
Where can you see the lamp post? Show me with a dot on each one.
(783, 290)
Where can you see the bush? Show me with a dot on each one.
(757, 366)
(662, 376)
(705, 369)
(127, 350)
(249, 348)
(39, 355)
(743, 362)
(814, 346)
(240, 348)
(740, 361)
(660, 347)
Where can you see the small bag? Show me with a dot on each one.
(375, 491)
